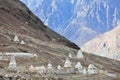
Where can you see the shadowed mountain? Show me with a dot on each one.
(17, 18)
(77, 20)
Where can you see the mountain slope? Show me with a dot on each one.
(78, 20)
(110, 40)
(24, 16)
(16, 19)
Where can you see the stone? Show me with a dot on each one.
(111, 75)
(12, 62)
(31, 68)
(72, 70)
(41, 69)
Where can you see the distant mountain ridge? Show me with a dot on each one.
(78, 20)
(106, 45)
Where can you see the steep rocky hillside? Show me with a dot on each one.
(16, 19)
(20, 20)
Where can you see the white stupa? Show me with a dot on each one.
(84, 71)
(49, 66)
(23, 42)
(13, 62)
(16, 39)
(92, 69)
(67, 63)
(31, 68)
(79, 54)
(78, 65)
(59, 67)
(70, 55)
(35, 55)
(13, 65)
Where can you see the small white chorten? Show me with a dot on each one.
(92, 69)
(49, 66)
(70, 55)
(78, 65)
(16, 39)
(31, 68)
(35, 55)
(59, 67)
(67, 63)
(79, 54)
(13, 63)
(22, 42)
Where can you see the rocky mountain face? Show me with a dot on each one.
(77, 20)
(108, 42)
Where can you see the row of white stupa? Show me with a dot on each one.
(17, 40)
(78, 68)
(18, 54)
(91, 69)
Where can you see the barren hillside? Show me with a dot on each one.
(16, 19)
